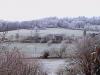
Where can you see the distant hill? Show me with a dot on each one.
(51, 22)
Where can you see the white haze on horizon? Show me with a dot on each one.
(16, 10)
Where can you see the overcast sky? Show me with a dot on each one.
(35, 9)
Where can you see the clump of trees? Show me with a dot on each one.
(3, 36)
(51, 38)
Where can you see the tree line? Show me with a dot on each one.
(50, 22)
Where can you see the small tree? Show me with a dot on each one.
(17, 37)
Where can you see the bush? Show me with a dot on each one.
(61, 52)
(58, 52)
(70, 69)
(12, 63)
(31, 39)
(45, 54)
(85, 47)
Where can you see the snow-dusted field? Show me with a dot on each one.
(68, 32)
(33, 49)
(52, 66)
(36, 49)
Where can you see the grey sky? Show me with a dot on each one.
(34, 9)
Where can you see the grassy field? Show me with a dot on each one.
(66, 32)
(37, 49)
(34, 49)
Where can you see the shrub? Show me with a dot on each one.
(85, 47)
(45, 54)
(12, 63)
